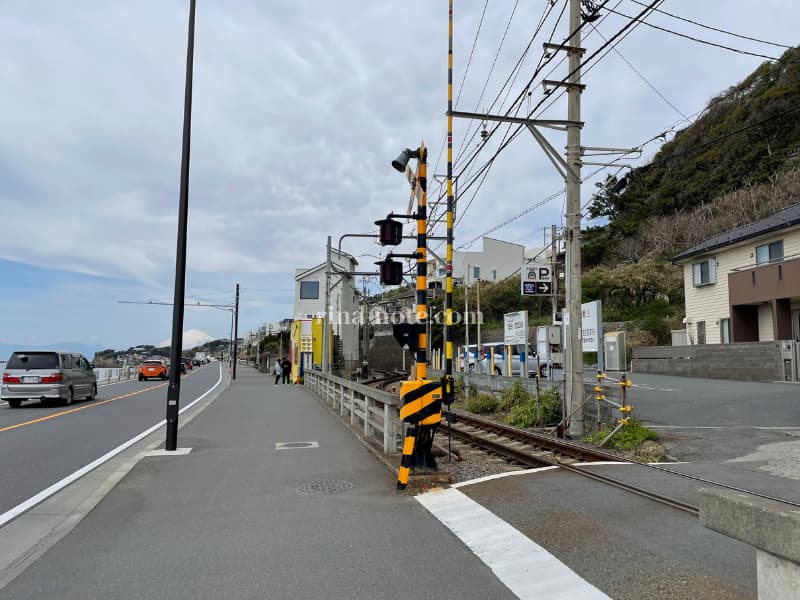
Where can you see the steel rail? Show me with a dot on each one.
(560, 445)
(525, 458)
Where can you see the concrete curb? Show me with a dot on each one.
(31, 534)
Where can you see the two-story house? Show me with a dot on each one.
(744, 285)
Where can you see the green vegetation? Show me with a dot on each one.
(482, 404)
(745, 136)
(525, 412)
(514, 395)
(628, 439)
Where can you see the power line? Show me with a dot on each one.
(642, 77)
(738, 35)
(625, 28)
(694, 39)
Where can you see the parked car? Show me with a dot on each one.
(499, 366)
(47, 375)
(153, 368)
(188, 363)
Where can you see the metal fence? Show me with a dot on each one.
(376, 411)
(113, 375)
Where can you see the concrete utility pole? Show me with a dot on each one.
(573, 348)
(553, 266)
(326, 324)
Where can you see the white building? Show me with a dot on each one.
(344, 309)
(496, 261)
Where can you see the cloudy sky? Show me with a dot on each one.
(299, 106)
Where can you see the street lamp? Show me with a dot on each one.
(174, 389)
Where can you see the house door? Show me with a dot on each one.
(796, 325)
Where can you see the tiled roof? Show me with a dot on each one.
(782, 219)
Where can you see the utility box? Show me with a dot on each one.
(614, 345)
(554, 335)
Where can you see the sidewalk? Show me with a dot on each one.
(238, 518)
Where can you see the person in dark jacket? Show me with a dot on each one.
(286, 367)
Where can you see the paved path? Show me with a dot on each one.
(229, 520)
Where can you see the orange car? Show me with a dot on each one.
(153, 368)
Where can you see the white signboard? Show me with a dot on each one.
(516, 328)
(591, 325)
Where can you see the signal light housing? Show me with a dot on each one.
(391, 272)
(390, 232)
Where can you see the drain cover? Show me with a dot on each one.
(290, 445)
(326, 487)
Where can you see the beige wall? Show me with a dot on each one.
(766, 332)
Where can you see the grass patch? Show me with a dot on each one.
(482, 404)
(526, 414)
(634, 439)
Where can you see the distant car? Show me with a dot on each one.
(42, 375)
(499, 366)
(196, 362)
(153, 368)
(188, 363)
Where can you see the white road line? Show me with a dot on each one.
(501, 476)
(764, 428)
(56, 487)
(524, 567)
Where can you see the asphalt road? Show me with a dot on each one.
(42, 444)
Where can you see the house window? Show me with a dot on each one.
(442, 272)
(704, 273)
(701, 332)
(494, 274)
(725, 331)
(476, 272)
(309, 290)
(768, 253)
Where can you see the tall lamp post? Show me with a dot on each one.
(174, 389)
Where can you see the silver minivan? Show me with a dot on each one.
(46, 375)
(500, 362)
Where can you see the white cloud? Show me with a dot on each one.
(191, 338)
(295, 120)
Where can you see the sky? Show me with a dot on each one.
(298, 108)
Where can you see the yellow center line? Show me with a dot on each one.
(74, 410)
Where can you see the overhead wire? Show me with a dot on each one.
(642, 77)
(623, 30)
(731, 33)
(698, 40)
(627, 28)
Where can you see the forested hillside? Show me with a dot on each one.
(733, 165)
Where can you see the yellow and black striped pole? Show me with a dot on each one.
(448, 297)
(421, 400)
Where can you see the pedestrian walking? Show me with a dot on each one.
(277, 370)
(286, 368)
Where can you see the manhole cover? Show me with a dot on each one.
(326, 487)
(290, 445)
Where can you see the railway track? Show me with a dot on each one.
(536, 450)
(389, 378)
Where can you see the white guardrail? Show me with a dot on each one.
(112, 375)
(377, 411)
